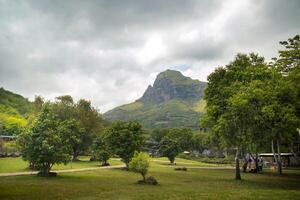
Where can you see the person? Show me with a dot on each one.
(250, 164)
(260, 164)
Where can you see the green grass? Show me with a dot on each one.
(187, 163)
(120, 184)
(18, 165)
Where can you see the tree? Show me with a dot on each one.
(124, 138)
(44, 144)
(228, 112)
(91, 120)
(87, 118)
(287, 97)
(140, 164)
(279, 114)
(183, 136)
(169, 148)
(102, 150)
(38, 103)
(159, 133)
(72, 131)
(289, 58)
(199, 140)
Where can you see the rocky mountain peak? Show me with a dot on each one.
(171, 84)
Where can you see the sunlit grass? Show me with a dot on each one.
(19, 165)
(120, 184)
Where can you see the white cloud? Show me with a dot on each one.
(153, 49)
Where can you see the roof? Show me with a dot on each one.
(7, 136)
(271, 154)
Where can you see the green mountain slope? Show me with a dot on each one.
(14, 112)
(173, 101)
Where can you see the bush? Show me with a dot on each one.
(180, 169)
(151, 181)
(49, 174)
(140, 164)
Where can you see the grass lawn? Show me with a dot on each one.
(18, 165)
(173, 185)
(187, 163)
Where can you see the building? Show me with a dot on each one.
(288, 159)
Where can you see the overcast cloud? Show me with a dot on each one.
(109, 51)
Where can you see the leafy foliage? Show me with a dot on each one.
(140, 164)
(84, 120)
(14, 112)
(43, 145)
(124, 138)
(170, 148)
(102, 150)
(173, 101)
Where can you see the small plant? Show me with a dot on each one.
(151, 180)
(140, 164)
(180, 169)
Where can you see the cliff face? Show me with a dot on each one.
(174, 100)
(173, 85)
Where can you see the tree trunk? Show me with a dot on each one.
(273, 151)
(237, 166)
(144, 177)
(75, 154)
(256, 163)
(245, 164)
(127, 164)
(279, 163)
(171, 160)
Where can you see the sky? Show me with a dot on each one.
(109, 51)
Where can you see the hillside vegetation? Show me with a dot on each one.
(174, 100)
(14, 112)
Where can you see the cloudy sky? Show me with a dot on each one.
(109, 51)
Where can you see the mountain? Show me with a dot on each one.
(14, 112)
(174, 100)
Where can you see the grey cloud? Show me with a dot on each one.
(101, 50)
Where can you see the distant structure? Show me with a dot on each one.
(288, 159)
(7, 137)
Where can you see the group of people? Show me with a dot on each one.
(254, 165)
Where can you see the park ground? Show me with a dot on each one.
(201, 181)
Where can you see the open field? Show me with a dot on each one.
(18, 165)
(121, 184)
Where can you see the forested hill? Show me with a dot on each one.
(174, 100)
(14, 112)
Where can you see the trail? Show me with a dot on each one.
(61, 171)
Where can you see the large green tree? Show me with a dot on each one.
(89, 122)
(170, 148)
(124, 138)
(228, 114)
(43, 145)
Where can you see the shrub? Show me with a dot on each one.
(140, 164)
(180, 169)
(151, 181)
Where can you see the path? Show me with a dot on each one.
(61, 171)
(110, 167)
